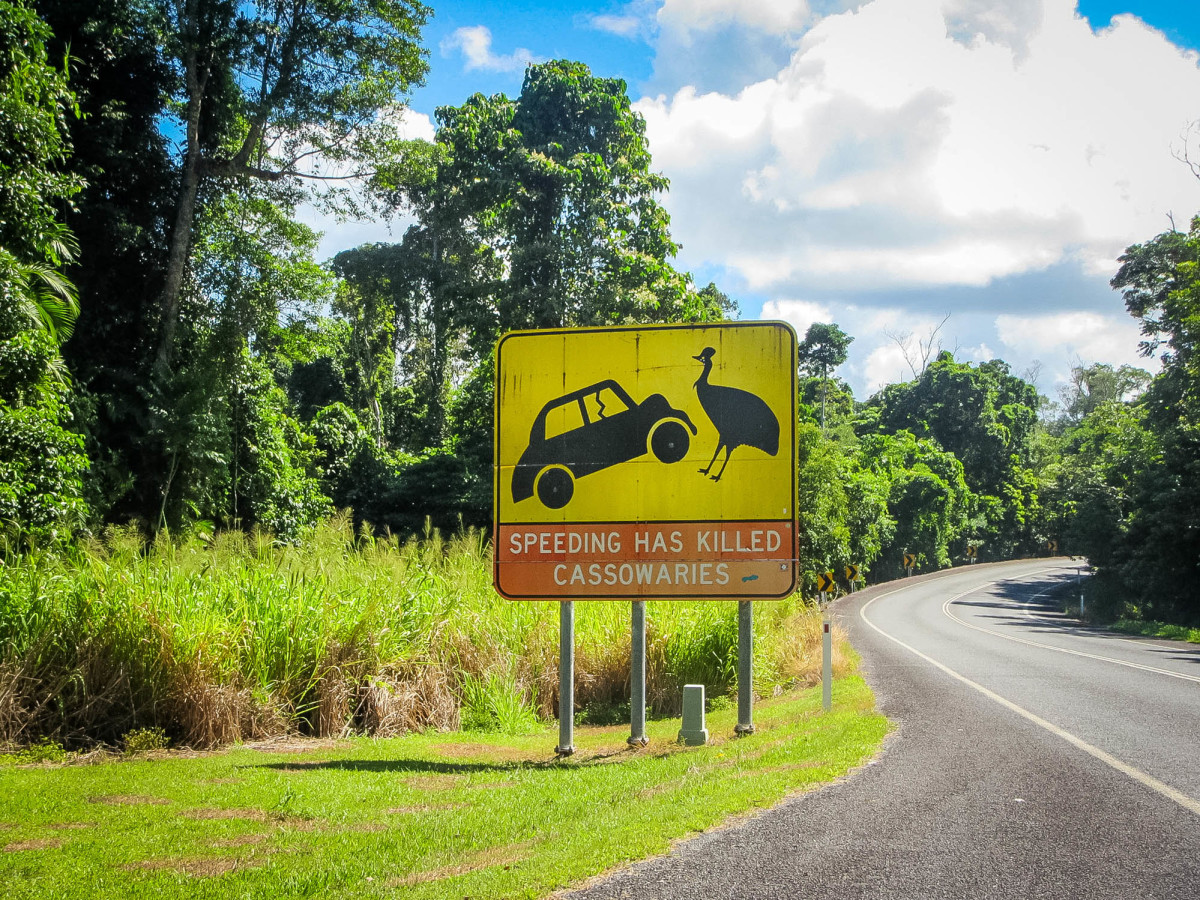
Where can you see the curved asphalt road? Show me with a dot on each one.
(1032, 759)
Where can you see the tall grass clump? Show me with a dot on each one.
(236, 636)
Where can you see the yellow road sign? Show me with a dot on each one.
(910, 560)
(971, 551)
(646, 462)
(852, 573)
(825, 582)
(1052, 546)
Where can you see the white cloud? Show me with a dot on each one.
(772, 16)
(626, 26)
(798, 313)
(475, 44)
(884, 365)
(915, 143)
(1087, 336)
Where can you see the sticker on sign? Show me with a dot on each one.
(646, 462)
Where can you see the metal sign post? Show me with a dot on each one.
(644, 463)
(637, 676)
(566, 678)
(745, 722)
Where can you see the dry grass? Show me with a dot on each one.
(129, 800)
(41, 844)
(252, 815)
(799, 650)
(200, 867)
(485, 859)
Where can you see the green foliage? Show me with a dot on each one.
(40, 460)
(1133, 465)
(493, 702)
(987, 418)
(34, 105)
(928, 497)
(1096, 385)
(43, 750)
(145, 740)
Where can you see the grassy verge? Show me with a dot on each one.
(1157, 630)
(424, 815)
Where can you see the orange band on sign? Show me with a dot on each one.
(646, 560)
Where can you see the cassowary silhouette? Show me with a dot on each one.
(742, 419)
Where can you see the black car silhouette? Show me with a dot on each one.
(591, 429)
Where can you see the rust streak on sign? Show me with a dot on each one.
(646, 462)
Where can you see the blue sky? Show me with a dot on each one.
(885, 163)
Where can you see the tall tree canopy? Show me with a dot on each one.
(558, 183)
(825, 347)
(302, 90)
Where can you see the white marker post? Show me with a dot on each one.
(826, 666)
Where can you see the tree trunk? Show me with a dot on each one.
(824, 383)
(185, 215)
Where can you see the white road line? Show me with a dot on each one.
(1029, 643)
(1124, 768)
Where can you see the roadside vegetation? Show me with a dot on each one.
(239, 637)
(1157, 630)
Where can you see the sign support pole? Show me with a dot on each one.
(745, 723)
(566, 678)
(637, 676)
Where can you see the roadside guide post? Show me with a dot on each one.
(646, 463)
(637, 677)
(826, 665)
(1079, 581)
(566, 678)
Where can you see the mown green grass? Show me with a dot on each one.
(420, 816)
(1157, 630)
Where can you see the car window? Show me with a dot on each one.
(604, 403)
(563, 418)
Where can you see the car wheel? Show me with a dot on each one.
(555, 487)
(669, 442)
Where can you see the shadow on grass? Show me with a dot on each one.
(442, 767)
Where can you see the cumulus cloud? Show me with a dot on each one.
(913, 143)
(774, 17)
(800, 314)
(626, 26)
(1079, 334)
(475, 45)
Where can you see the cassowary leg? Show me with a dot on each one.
(712, 461)
(717, 477)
